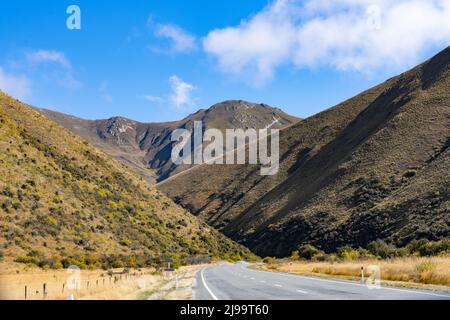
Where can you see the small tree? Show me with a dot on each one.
(381, 249)
(308, 251)
(348, 253)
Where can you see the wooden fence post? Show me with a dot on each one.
(44, 290)
(26, 292)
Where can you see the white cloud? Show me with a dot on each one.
(257, 45)
(18, 86)
(361, 35)
(59, 69)
(181, 95)
(180, 40)
(150, 98)
(46, 56)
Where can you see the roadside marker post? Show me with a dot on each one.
(362, 274)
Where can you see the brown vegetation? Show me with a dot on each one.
(146, 147)
(420, 270)
(62, 202)
(373, 167)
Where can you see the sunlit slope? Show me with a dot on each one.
(61, 198)
(375, 166)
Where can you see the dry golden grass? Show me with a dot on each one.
(94, 284)
(145, 285)
(412, 270)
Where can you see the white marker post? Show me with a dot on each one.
(362, 274)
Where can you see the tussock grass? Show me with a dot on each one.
(423, 270)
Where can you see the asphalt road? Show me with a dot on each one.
(237, 282)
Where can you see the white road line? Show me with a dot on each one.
(351, 283)
(301, 291)
(262, 281)
(252, 278)
(206, 286)
(278, 285)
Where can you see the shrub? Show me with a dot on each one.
(125, 242)
(49, 221)
(80, 263)
(410, 173)
(308, 251)
(348, 253)
(425, 266)
(58, 265)
(16, 205)
(365, 254)
(332, 257)
(27, 260)
(7, 204)
(295, 255)
(431, 248)
(381, 249)
(321, 256)
(268, 260)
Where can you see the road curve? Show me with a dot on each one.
(237, 282)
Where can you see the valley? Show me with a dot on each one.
(373, 167)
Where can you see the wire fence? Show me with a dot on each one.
(69, 287)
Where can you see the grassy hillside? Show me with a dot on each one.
(375, 166)
(64, 202)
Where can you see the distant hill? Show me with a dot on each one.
(146, 147)
(376, 166)
(64, 202)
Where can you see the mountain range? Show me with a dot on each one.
(373, 167)
(147, 147)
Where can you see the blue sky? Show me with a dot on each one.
(162, 60)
